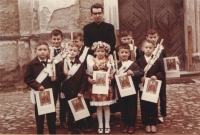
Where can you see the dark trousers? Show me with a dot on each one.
(163, 102)
(51, 119)
(63, 109)
(149, 112)
(128, 107)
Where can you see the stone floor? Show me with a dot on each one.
(183, 109)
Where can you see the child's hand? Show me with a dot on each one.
(53, 78)
(111, 77)
(178, 62)
(129, 72)
(91, 80)
(142, 79)
(62, 95)
(117, 73)
(66, 72)
(80, 95)
(41, 88)
(153, 77)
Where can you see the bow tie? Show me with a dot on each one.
(43, 63)
(72, 63)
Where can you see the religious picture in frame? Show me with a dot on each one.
(151, 90)
(45, 101)
(44, 98)
(77, 104)
(151, 86)
(125, 85)
(102, 82)
(78, 108)
(171, 67)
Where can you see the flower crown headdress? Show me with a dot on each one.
(101, 44)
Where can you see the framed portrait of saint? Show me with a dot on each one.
(171, 67)
(102, 82)
(78, 108)
(125, 85)
(151, 90)
(45, 101)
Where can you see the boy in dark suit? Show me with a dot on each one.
(128, 104)
(153, 36)
(154, 69)
(74, 83)
(56, 38)
(83, 52)
(33, 70)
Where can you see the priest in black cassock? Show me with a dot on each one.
(99, 30)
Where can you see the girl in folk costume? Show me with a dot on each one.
(101, 63)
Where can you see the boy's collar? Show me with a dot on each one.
(57, 47)
(41, 60)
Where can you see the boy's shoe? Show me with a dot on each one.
(153, 129)
(80, 131)
(131, 130)
(64, 124)
(160, 120)
(148, 129)
(125, 129)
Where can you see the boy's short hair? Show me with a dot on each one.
(147, 41)
(56, 33)
(122, 46)
(97, 5)
(77, 35)
(151, 32)
(73, 45)
(126, 33)
(41, 43)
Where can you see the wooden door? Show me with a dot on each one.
(164, 15)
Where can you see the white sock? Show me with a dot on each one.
(107, 116)
(99, 116)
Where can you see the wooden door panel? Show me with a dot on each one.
(169, 23)
(164, 15)
(132, 14)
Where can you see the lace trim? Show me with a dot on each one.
(104, 103)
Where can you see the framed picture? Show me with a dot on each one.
(151, 90)
(78, 108)
(102, 82)
(171, 67)
(45, 101)
(125, 85)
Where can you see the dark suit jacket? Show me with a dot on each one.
(156, 69)
(138, 72)
(94, 32)
(33, 69)
(76, 83)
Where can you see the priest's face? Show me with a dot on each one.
(97, 15)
